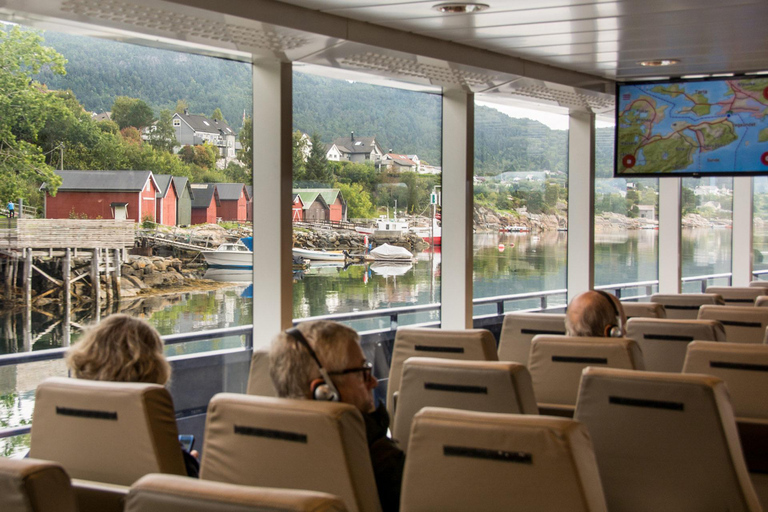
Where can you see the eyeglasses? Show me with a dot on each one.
(366, 370)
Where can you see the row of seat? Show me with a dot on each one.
(639, 441)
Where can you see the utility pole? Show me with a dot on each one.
(61, 156)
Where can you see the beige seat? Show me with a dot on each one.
(518, 330)
(557, 362)
(259, 381)
(292, 444)
(32, 485)
(461, 461)
(487, 386)
(761, 301)
(665, 341)
(664, 441)
(685, 306)
(737, 295)
(170, 493)
(759, 283)
(469, 344)
(743, 324)
(113, 432)
(643, 310)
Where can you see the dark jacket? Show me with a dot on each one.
(387, 459)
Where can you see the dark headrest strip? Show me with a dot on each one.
(739, 366)
(481, 453)
(540, 331)
(740, 300)
(456, 388)
(573, 359)
(640, 402)
(280, 435)
(669, 337)
(86, 413)
(432, 348)
(680, 306)
(736, 323)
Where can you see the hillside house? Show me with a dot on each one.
(194, 130)
(323, 204)
(205, 203)
(115, 195)
(646, 211)
(394, 162)
(233, 202)
(332, 153)
(183, 201)
(358, 149)
(167, 198)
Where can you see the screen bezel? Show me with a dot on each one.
(676, 174)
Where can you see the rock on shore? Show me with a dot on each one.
(142, 272)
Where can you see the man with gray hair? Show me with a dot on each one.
(323, 360)
(595, 313)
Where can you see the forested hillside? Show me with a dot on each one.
(98, 71)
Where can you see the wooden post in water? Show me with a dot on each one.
(66, 275)
(27, 277)
(107, 278)
(14, 273)
(116, 276)
(95, 280)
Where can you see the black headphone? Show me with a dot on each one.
(615, 330)
(326, 391)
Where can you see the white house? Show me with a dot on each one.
(194, 130)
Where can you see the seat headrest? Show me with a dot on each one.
(156, 493)
(32, 485)
(518, 330)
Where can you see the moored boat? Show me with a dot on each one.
(386, 252)
(230, 255)
(321, 255)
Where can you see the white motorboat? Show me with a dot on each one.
(386, 252)
(230, 255)
(313, 255)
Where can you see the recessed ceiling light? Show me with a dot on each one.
(459, 7)
(659, 62)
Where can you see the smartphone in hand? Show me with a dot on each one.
(187, 442)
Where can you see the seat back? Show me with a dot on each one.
(518, 330)
(685, 306)
(761, 301)
(737, 295)
(664, 441)
(31, 485)
(292, 444)
(488, 386)
(259, 381)
(170, 493)
(643, 310)
(467, 344)
(113, 432)
(462, 460)
(664, 341)
(759, 283)
(557, 362)
(743, 324)
(743, 367)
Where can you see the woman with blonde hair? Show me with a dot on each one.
(122, 348)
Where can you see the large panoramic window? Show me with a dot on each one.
(366, 196)
(707, 219)
(626, 224)
(520, 204)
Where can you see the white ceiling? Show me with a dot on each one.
(603, 38)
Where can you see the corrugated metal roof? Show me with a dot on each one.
(97, 181)
(203, 194)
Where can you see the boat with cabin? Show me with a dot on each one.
(231, 255)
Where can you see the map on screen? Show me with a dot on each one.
(701, 127)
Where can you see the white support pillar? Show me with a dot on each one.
(458, 171)
(670, 217)
(581, 203)
(272, 230)
(741, 253)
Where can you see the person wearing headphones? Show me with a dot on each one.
(323, 360)
(595, 313)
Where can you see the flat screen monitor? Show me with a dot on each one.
(703, 127)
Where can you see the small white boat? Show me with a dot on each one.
(386, 252)
(230, 255)
(312, 255)
(431, 235)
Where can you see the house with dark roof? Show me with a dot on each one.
(194, 130)
(233, 202)
(116, 195)
(323, 204)
(167, 197)
(205, 203)
(183, 200)
(356, 149)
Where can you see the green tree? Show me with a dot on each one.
(246, 141)
(131, 112)
(163, 135)
(23, 103)
(217, 115)
(317, 169)
(359, 205)
(181, 106)
(299, 156)
(689, 201)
